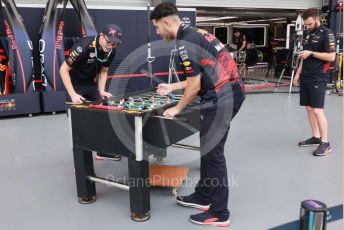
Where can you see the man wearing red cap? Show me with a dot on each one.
(90, 57)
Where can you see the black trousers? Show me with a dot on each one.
(88, 91)
(213, 186)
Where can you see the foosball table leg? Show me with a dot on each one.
(83, 164)
(140, 217)
(139, 189)
(88, 200)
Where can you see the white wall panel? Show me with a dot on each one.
(267, 4)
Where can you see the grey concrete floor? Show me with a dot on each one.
(269, 174)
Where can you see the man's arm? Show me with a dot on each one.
(329, 52)
(324, 56)
(193, 86)
(299, 69)
(164, 89)
(64, 73)
(297, 74)
(244, 42)
(179, 85)
(102, 83)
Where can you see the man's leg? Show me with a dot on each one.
(317, 102)
(201, 198)
(318, 92)
(214, 185)
(321, 121)
(305, 100)
(313, 122)
(324, 148)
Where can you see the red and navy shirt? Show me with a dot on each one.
(86, 62)
(202, 53)
(321, 40)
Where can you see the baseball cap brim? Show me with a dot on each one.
(113, 39)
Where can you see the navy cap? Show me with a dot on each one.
(113, 33)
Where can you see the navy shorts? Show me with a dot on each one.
(312, 93)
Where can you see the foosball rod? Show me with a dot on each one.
(108, 182)
(182, 146)
(159, 96)
(180, 119)
(176, 95)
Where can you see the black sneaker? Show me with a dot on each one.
(104, 156)
(313, 141)
(206, 218)
(191, 201)
(323, 149)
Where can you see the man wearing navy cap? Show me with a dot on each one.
(90, 57)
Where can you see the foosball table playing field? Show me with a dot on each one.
(139, 103)
(131, 126)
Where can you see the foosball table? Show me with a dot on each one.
(132, 127)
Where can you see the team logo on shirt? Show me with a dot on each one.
(227, 71)
(332, 42)
(219, 46)
(316, 37)
(183, 53)
(79, 49)
(185, 59)
(70, 61)
(74, 54)
(210, 38)
(205, 62)
(188, 69)
(186, 21)
(186, 63)
(327, 67)
(92, 55)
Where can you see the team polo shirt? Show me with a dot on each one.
(238, 41)
(321, 40)
(202, 53)
(83, 59)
